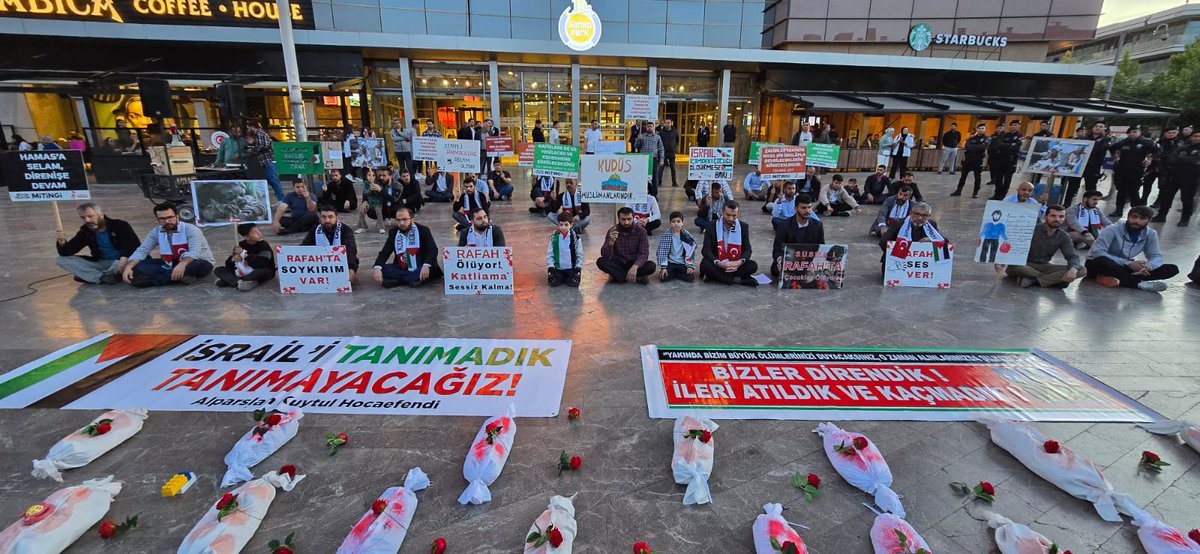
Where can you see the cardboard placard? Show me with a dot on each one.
(498, 146)
(710, 163)
(218, 203)
(312, 269)
(331, 154)
(610, 147)
(1005, 232)
(821, 155)
(556, 160)
(614, 179)
(1055, 156)
(44, 175)
(478, 271)
(641, 107)
(299, 158)
(781, 162)
(425, 149)
(525, 154)
(458, 155)
(813, 266)
(918, 264)
(754, 149)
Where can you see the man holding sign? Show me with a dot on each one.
(110, 241)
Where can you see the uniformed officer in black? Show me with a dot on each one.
(973, 151)
(1168, 144)
(993, 155)
(1133, 154)
(1095, 163)
(1007, 154)
(1043, 131)
(1184, 169)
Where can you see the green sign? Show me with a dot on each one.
(556, 160)
(300, 158)
(920, 37)
(754, 146)
(822, 155)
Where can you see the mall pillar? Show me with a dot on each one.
(575, 103)
(406, 92)
(724, 107)
(494, 91)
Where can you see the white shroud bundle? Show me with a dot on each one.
(1015, 538)
(1159, 538)
(771, 525)
(1066, 470)
(692, 462)
(73, 511)
(1181, 429)
(560, 514)
(485, 460)
(865, 468)
(78, 449)
(232, 532)
(384, 533)
(886, 541)
(252, 448)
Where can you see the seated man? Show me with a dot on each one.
(251, 263)
(647, 214)
(1112, 261)
(109, 241)
(1024, 195)
(704, 189)
(893, 210)
(625, 255)
(798, 229)
(331, 232)
(470, 200)
(297, 211)
(727, 250)
(876, 187)
(810, 184)
(915, 227)
(1085, 220)
(499, 182)
(564, 254)
(183, 252)
(570, 201)
(835, 200)
(1048, 238)
(711, 204)
(339, 192)
(481, 233)
(676, 252)
(415, 252)
(854, 190)
(441, 187)
(906, 181)
(404, 192)
(755, 187)
(544, 191)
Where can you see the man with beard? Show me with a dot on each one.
(1049, 238)
(1085, 220)
(415, 252)
(297, 210)
(727, 250)
(571, 202)
(973, 152)
(915, 227)
(183, 252)
(876, 186)
(470, 200)
(251, 263)
(481, 233)
(1024, 195)
(1112, 260)
(110, 241)
(339, 192)
(893, 210)
(799, 229)
(405, 192)
(331, 232)
(1133, 155)
(625, 255)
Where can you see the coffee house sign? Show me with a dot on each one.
(237, 13)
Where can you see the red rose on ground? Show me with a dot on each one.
(274, 419)
(1051, 446)
(576, 461)
(438, 546)
(225, 500)
(379, 506)
(103, 427)
(283, 550)
(345, 439)
(289, 470)
(555, 536)
(1148, 456)
(641, 547)
(573, 413)
(987, 487)
(705, 436)
(492, 427)
(1194, 534)
(108, 528)
(814, 480)
(860, 443)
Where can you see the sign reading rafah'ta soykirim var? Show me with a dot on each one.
(932, 384)
(334, 375)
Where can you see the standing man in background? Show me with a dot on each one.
(1133, 154)
(258, 142)
(401, 144)
(669, 136)
(1043, 131)
(728, 134)
(950, 140)
(650, 143)
(703, 135)
(430, 132)
(592, 137)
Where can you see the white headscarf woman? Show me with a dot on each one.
(886, 143)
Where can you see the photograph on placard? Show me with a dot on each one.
(370, 152)
(1056, 156)
(226, 202)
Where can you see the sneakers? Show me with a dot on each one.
(976, 195)
(1106, 281)
(1156, 286)
(382, 231)
(244, 285)
(1026, 282)
(360, 230)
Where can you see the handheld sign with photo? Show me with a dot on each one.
(1055, 156)
(1005, 232)
(641, 107)
(710, 163)
(918, 264)
(370, 152)
(220, 203)
(781, 162)
(458, 155)
(755, 147)
(821, 155)
(44, 175)
(616, 179)
(300, 158)
(331, 153)
(498, 146)
(525, 154)
(556, 160)
(425, 149)
(312, 269)
(813, 266)
(478, 271)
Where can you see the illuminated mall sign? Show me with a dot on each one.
(921, 37)
(578, 26)
(235, 13)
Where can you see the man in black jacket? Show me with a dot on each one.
(670, 140)
(415, 252)
(1168, 144)
(110, 241)
(703, 135)
(481, 233)
(470, 200)
(1007, 152)
(1133, 155)
(1184, 177)
(405, 191)
(800, 229)
(339, 192)
(1095, 163)
(331, 232)
(251, 263)
(727, 250)
(467, 132)
(950, 140)
(973, 152)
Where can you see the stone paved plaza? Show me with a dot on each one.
(1137, 342)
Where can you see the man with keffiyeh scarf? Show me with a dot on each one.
(916, 227)
(331, 232)
(415, 252)
(1085, 220)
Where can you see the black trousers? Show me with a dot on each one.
(1101, 265)
(899, 164)
(987, 254)
(712, 273)
(618, 269)
(668, 163)
(230, 278)
(298, 224)
(678, 271)
(1072, 186)
(971, 166)
(651, 226)
(1128, 181)
(1090, 180)
(1004, 176)
(1148, 184)
(569, 277)
(1167, 189)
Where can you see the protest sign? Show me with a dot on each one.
(41, 175)
(781, 162)
(641, 107)
(425, 149)
(861, 384)
(610, 147)
(525, 154)
(478, 271)
(339, 374)
(458, 155)
(498, 146)
(1006, 232)
(220, 203)
(556, 160)
(918, 264)
(615, 179)
(710, 163)
(370, 152)
(1056, 156)
(755, 147)
(312, 269)
(331, 154)
(299, 158)
(813, 266)
(821, 155)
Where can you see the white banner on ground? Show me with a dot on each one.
(478, 271)
(312, 269)
(335, 375)
(458, 155)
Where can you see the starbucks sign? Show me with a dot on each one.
(920, 37)
(579, 26)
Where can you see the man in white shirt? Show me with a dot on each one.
(592, 137)
(553, 134)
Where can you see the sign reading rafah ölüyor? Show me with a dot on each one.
(40, 175)
(729, 382)
(335, 375)
(478, 271)
(312, 269)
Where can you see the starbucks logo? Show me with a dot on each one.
(920, 37)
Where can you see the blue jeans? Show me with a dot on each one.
(392, 272)
(273, 180)
(153, 272)
(776, 220)
(503, 189)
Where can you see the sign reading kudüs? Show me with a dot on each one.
(830, 383)
(230, 13)
(333, 375)
(41, 175)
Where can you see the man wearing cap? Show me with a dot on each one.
(1133, 154)
(332, 232)
(251, 263)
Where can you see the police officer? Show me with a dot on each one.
(1183, 168)
(1007, 152)
(1095, 164)
(1133, 154)
(973, 151)
(993, 154)
(1043, 131)
(1160, 170)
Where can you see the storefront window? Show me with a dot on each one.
(636, 84)
(589, 82)
(688, 85)
(473, 81)
(612, 83)
(509, 79)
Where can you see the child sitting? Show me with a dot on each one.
(676, 249)
(564, 254)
